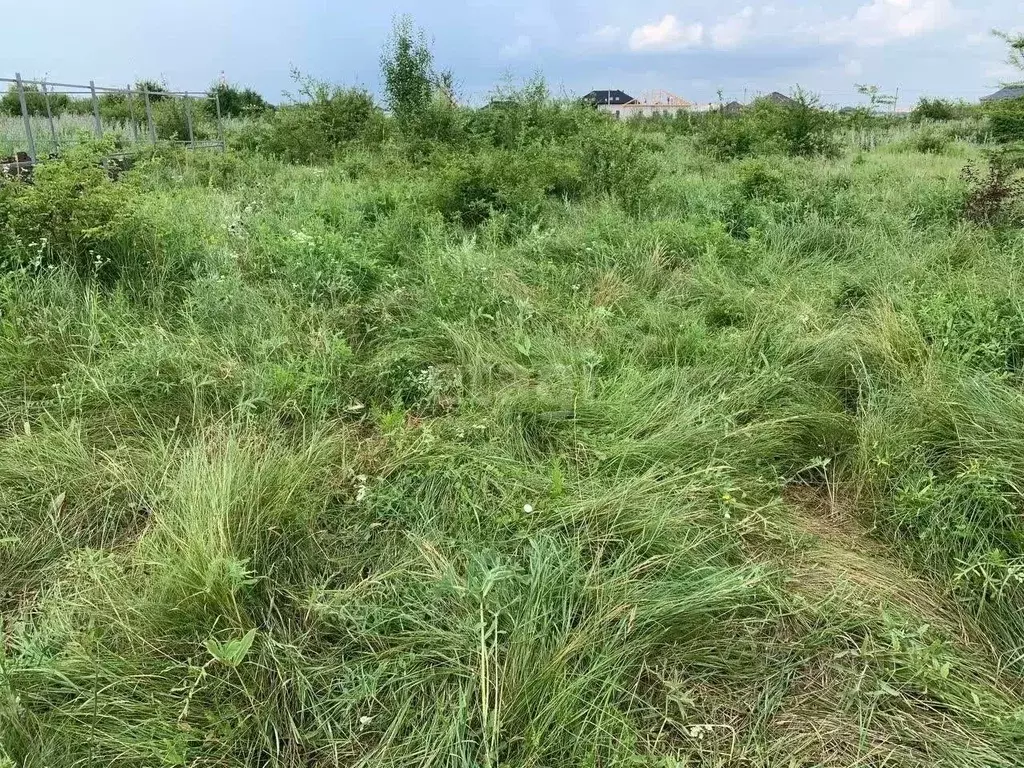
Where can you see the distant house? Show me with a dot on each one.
(608, 101)
(1008, 93)
(781, 99)
(732, 108)
(656, 104)
(651, 104)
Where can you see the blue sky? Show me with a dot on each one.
(922, 47)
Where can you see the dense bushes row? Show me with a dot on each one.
(234, 101)
(801, 129)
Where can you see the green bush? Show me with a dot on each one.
(35, 102)
(470, 189)
(617, 161)
(935, 109)
(316, 129)
(171, 118)
(234, 101)
(1006, 121)
(758, 181)
(71, 214)
(800, 129)
(726, 136)
(518, 117)
(932, 142)
(928, 140)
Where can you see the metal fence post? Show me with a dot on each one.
(131, 113)
(149, 117)
(188, 121)
(96, 110)
(49, 116)
(25, 118)
(220, 123)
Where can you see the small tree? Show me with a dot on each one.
(407, 64)
(876, 98)
(1015, 58)
(234, 101)
(157, 90)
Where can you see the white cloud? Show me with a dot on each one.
(518, 48)
(733, 31)
(884, 21)
(606, 37)
(667, 35)
(854, 67)
(607, 34)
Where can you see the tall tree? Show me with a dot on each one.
(407, 64)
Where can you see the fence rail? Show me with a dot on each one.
(140, 108)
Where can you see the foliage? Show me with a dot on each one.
(35, 102)
(939, 110)
(524, 115)
(156, 89)
(531, 439)
(407, 65)
(876, 98)
(173, 118)
(618, 162)
(1006, 120)
(726, 137)
(234, 101)
(317, 127)
(1015, 42)
(800, 129)
(993, 194)
(72, 213)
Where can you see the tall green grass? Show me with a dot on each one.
(435, 456)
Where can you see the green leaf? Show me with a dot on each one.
(232, 652)
(557, 481)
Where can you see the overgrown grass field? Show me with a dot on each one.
(513, 438)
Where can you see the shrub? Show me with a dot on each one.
(116, 108)
(171, 118)
(617, 161)
(407, 65)
(1006, 121)
(518, 117)
(35, 102)
(929, 141)
(800, 129)
(991, 193)
(72, 213)
(759, 182)
(315, 129)
(234, 101)
(471, 189)
(421, 98)
(726, 137)
(934, 109)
